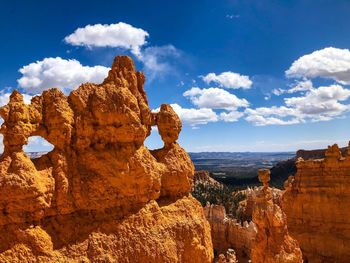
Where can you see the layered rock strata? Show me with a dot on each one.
(317, 201)
(100, 195)
(272, 243)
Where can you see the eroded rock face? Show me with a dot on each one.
(228, 233)
(272, 244)
(229, 257)
(246, 207)
(92, 197)
(317, 201)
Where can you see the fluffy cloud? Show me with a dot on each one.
(304, 85)
(332, 63)
(230, 80)
(195, 117)
(214, 98)
(272, 116)
(206, 100)
(260, 120)
(157, 60)
(114, 35)
(321, 103)
(318, 104)
(60, 73)
(231, 116)
(281, 111)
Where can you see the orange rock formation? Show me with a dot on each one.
(317, 201)
(246, 207)
(272, 243)
(228, 257)
(227, 233)
(203, 177)
(100, 195)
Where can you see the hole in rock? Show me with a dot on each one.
(37, 146)
(154, 141)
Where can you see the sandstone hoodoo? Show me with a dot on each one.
(272, 243)
(228, 233)
(317, 201)
(100, 195)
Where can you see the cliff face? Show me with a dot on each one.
(100, 195)
(316, 202)
(272, 243)
(228, 233)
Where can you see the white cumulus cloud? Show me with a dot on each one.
(260, 120)
(113, 35)
(60, 73)
(230, 80)
(157, 61)
(323, 102)
(317, 104)
(332, 63)
(231, 116)
(214, 98)
(193, 116)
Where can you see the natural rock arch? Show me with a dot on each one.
(99, 170)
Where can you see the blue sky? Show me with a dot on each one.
(243, 75)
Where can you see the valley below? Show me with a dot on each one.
(240, 169)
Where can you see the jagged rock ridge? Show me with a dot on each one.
(100, 195)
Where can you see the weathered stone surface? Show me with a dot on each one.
(246, 207)
(272, 243)
(229, 257)
(316, 202)
(92, 197)
(228, 233)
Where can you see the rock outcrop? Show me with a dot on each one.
(272, 243)
(316, 202)
(246, 207)
(100, 195)
(227, 233)
(283, 169)
(203, 177)
(228, 257)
